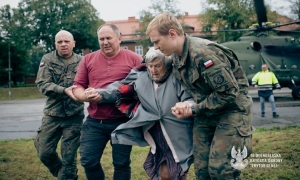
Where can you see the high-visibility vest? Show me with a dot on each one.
(265, 80)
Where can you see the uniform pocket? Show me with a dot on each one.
(246, 132)
(56, 73)
(55, 70)
(71, 72)
(36, 139)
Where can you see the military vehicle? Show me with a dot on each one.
(280, 53)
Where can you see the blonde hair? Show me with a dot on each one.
(163, 23)
(153, 54)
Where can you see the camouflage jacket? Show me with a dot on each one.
(212, 75)
(52, 78)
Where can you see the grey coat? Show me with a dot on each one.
(155, 107)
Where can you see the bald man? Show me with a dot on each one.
(63, 114)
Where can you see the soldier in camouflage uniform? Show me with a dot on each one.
(63, 115)
(212, 75)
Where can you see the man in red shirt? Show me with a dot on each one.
(98, 70)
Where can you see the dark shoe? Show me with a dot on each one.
(263, 114)
(275, 115)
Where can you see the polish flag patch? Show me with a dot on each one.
(208, 63)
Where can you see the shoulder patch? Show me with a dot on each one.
(208, 63)
(42, 64)
(219, 79)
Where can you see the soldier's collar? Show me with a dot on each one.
(182, 59)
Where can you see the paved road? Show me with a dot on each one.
(21, 118)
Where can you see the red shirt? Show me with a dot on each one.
(97, 71)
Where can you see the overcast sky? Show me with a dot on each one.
(122, 9)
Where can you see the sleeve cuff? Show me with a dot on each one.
(198, 108)
(61, 90)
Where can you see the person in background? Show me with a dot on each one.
(153, 123)
(63, 115)
(222, 114)
(98, 70)
(265, 80)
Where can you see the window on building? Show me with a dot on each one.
(124, 47)
(139, 50)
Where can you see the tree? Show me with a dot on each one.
(45, 18)
(295, 8)
(157, 7)
(228, 15)
(35, 23)
(231, 15)
(36, 54)
(14, 47)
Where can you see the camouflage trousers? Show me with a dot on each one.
(214, 139)
(48, 135)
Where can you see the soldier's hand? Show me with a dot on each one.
(92, 95)
(181, 110)
(69, 92)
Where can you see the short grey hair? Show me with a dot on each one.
(153, 54)
(114, 28)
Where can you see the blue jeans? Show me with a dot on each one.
(94, 137)
(271, 100)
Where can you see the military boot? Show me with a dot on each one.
(263, 114)
(275, 115)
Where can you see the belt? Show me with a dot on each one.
(108, 121)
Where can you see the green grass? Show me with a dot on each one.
(18, 159)
(282, 141)
(20, 93)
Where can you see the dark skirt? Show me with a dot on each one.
(163, 153)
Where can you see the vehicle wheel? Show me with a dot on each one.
(296, 92)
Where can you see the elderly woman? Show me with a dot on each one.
(153, 123)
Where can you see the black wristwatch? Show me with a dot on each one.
(193, 111)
